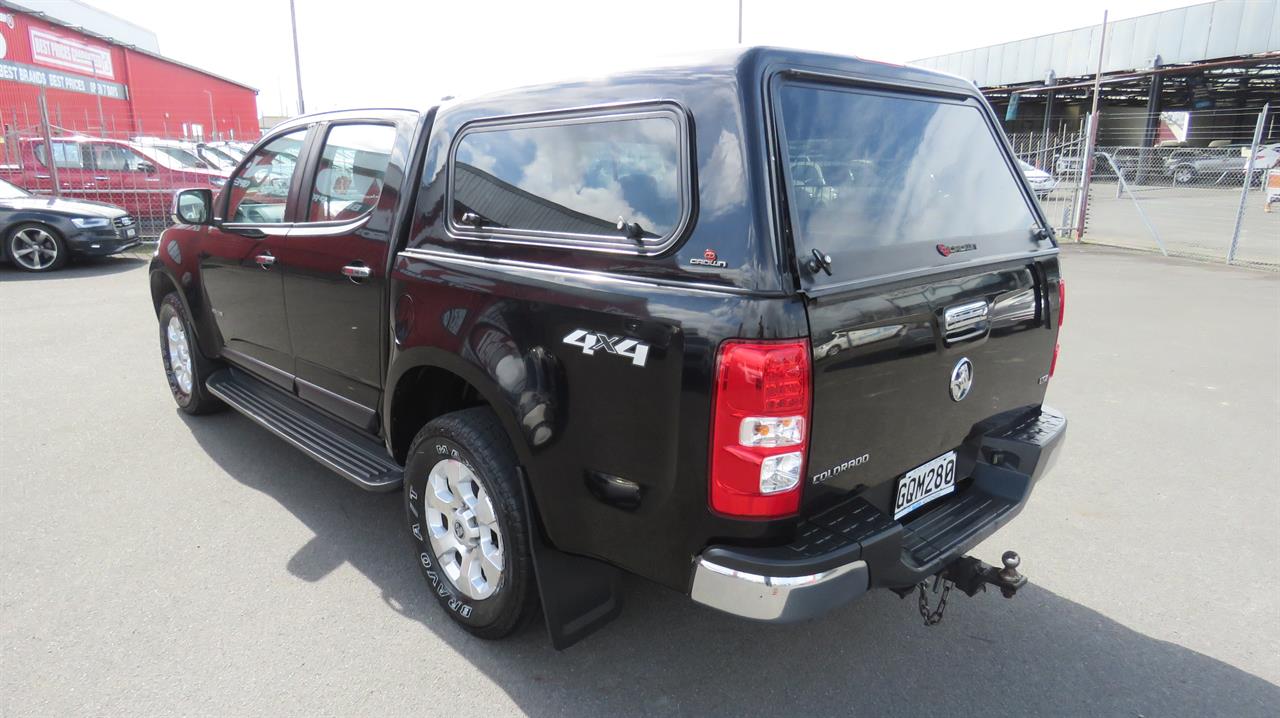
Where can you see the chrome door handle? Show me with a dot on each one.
(42, 176)
(102, 179)
(265, 260)
(356, 272)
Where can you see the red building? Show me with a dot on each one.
(99, 86)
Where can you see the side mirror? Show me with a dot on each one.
(147, 167)
(193, 206)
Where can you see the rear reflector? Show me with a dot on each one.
(759, 423)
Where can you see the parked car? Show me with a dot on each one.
(595, 327)
(42, 233)
(186, 154)
(1216, 164)
(218, 158)
(1042, 183)
(138, 179)
(234, 149)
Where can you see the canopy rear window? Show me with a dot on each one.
(878, 181)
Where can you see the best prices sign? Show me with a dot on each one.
(68, 53)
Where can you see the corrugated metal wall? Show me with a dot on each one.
(1226, 28)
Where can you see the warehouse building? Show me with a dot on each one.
(102, 75)
(1194, 75)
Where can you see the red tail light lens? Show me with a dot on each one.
(1062, 300)
(760, 426)
(1062, 308)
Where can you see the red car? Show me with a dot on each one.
(135, 178)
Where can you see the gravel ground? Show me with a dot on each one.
(156, 564)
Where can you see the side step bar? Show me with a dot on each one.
(357, 457)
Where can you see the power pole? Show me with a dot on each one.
(739, 22)
(213, 122)
(297, 61)
(1090, 141)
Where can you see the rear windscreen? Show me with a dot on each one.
(883, 182)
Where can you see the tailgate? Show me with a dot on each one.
(883, 364)
(923, 264)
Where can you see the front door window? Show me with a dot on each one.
(261, 190)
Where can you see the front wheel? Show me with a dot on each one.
(36, 247)
(184, 366)
(466, 515)
(1184, 174)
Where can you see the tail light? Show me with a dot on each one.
(1062, 308)
(1062, 300)
(760, 426)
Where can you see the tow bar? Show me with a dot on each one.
(971, 576)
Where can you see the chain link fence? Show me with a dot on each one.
(84, 156)
(1205, 199)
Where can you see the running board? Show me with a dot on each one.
(357, 457)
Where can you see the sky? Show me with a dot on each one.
(389, 53)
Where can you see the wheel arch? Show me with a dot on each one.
(424, 383)
(162, 283)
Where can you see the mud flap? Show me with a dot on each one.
(579, 594)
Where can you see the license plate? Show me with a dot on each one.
(925, 483)
(130, 233)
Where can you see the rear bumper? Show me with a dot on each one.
(852, 547)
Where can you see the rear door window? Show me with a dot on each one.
(886, 183)
(574, 180)
(352, 166)
(114, 158)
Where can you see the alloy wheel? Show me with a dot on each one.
(33, 248)
(179, 354)
(463, 529)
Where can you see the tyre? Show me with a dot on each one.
(466, 517)
(34, 247)
(1184, 174)
(184, 366)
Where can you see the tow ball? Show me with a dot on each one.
(970, 576)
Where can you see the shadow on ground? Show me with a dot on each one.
(1038, 654)
(81, 268)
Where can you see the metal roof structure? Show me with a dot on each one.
(74, 13)
(28, 7)
(1188, 35)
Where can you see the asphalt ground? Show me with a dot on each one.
(157, 564)
(1194, 221)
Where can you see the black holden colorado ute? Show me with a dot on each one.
(769, 328)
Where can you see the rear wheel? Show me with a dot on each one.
(466, 516)
(1184, 174)
(34, 247)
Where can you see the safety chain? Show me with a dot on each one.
(935, 616)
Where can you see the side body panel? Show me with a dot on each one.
(616, 452)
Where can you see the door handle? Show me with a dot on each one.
(102, 179)
(356, 272)
(42, 176)
(265, 260)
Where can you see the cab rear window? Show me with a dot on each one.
(878, 181)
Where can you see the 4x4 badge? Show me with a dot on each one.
(633, 349)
